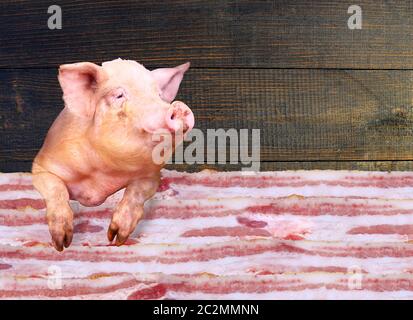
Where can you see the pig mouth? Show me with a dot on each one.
(176, 136)
(179, 135)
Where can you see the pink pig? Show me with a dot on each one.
(102, 142)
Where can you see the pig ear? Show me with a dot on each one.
(78, 82)
(169, 79)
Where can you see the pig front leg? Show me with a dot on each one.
(58, 212)
(130, 209)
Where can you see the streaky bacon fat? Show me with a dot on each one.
(210, 235)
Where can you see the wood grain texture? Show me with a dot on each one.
(304, 115)
(25, 166)
(306, 165)
(217, 33)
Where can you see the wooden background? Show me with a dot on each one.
(324, 96)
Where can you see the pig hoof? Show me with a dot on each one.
(61, 236)
(120, 235)
(60, 223)
(62, 239)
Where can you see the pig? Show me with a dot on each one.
(102, 142)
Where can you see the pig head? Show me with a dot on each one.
(103, 141)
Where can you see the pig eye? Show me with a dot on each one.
(116, 97)
(119, 94)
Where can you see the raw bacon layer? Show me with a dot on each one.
(210, 235)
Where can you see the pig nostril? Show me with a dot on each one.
(179, 118)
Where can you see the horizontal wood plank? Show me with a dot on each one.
(306, 165)
(25, 166)
(303, 115)
(218, 33)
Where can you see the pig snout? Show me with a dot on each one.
(179, 117)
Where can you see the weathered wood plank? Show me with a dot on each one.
(303, 115)
(310, 114)
(25, 166)
(308, 165)
(218, 33)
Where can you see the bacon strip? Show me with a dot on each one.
(316, 183)
(272, 235)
